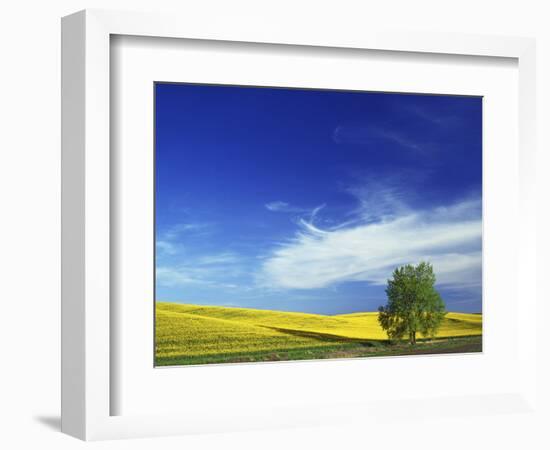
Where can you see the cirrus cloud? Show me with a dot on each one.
(368, 250)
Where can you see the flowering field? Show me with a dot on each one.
(194, 334)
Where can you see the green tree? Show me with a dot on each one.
(414, 306)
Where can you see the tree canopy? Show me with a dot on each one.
(414, 306)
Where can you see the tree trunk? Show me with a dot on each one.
(412, 337)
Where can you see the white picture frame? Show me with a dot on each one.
(87, 386)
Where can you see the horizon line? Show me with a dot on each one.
(290, 312)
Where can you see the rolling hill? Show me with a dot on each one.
(194, 334)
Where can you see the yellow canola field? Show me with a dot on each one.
(184, 330)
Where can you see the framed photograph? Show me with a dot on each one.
(286, 216)
(264, 215)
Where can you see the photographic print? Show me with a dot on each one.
(303, 224)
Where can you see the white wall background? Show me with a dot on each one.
(30, 196)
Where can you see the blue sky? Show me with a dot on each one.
(306, 200)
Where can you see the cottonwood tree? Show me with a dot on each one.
(414, 306)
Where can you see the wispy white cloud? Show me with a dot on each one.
(278, 206)
(438, 117)
(180, 229)
(284, 207)
(173, 276)
(382, 233)
(370, 133)
(219, 258)
(401, 139)
(166, 247)
(212, 269)
(168, 241)
(377, 200)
